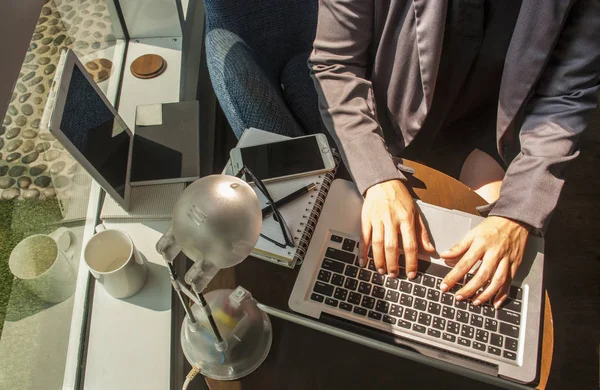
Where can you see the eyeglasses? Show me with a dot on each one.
(285, 230)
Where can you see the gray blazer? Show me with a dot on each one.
(548, 89)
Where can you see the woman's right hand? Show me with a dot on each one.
(390, 218)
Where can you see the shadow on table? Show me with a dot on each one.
(156, 293)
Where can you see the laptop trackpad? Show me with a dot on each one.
(446, 228)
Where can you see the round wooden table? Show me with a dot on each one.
(302, 358)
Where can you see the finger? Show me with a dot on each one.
(498, 280)
(462, 267)
(482, 276)
(365, 241)
(391, 249)
(502, 293)
(459, 249)
(377, 244)
(424, 236)
(409, 244)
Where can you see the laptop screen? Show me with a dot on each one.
(91, 127)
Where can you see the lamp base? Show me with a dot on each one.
(246, 332)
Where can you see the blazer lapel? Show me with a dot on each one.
(538, 25)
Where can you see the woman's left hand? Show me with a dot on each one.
(499, 242)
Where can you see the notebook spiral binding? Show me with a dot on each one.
(311, 219)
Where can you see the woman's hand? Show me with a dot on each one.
(389, 211)
(499, 242)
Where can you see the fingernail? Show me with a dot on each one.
(362, 262)
(412, 275)
(444, 287)
(459, 297)
(381, 271)
(477, 302)
(392, 275)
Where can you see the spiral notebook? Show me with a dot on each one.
(301, 215)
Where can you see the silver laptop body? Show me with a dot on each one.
(511, 351)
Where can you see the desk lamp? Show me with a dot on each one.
(216, 223)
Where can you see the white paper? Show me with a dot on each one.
(148, 115)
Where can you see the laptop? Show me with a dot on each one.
(415, 314)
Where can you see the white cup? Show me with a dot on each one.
(115, 262)
(42, 263)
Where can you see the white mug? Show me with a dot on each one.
(42, 263)
(115, 262)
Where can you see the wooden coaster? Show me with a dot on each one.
(148, 66)
(100, 69)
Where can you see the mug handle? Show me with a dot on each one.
(65, 238)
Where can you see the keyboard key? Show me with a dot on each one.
(378, 292)
(340, 293)
(351, 271)
(433, 295)
(382, 306)
(406, 287)
(374, 315)
(516, 293)
(476, 320)
(511, 304)
(323, 288)
(317, 297)
(428, 281)
(467, 331)
(434, 333)
(371, 266)
(419, 328)
(410, 314)
(420, 304)
(419, 278)
(461, 304)
(464, 342)
(482, 335)
(406, 300)
(420, 291)
(404, 324)
(389, 320)
(494, 350)
(335, 238)
(378, 279)
(333, 265)
(474, 309)
(337, 254)
(449, 337)
(392, 283)
(462, 316)
(351, 284)
(496, 340)
(509, 316)
(511, 344)
(509, 330)
(447, 299)
(439, 323)
(392, 296)
(434, 308)
(354, 298)
(448, 312)
(345, 306)
(337, 279)
(489, 311)
(364, 288)
(510, 355)
(365, 275)
(491, 324)
(324, 275)
(396, 310)
(349, 245)
(453, 327)
(331, 302)
(478, 346)
(454, 289)
(368, 302)
(425, 319)
(360, 311)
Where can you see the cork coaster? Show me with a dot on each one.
(148, 66)
(100, 69)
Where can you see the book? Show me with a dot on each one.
(301, 215)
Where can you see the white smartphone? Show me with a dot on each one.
(282, 160)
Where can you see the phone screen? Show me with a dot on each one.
(283, 158)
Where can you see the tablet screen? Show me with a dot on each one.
(91, 127)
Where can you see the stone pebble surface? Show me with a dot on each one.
(33, 164)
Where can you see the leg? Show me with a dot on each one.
(483, 175)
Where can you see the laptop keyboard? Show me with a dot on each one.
(417, 306)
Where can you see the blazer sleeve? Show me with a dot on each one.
(338, 66)
(554, 118)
